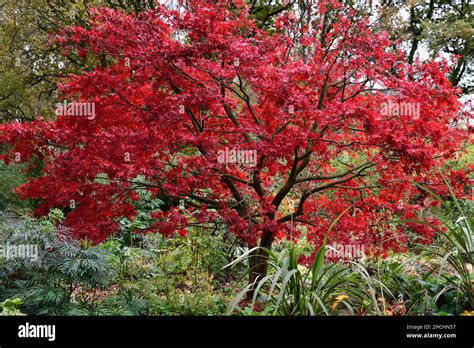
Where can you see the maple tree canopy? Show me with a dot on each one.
(273, 133)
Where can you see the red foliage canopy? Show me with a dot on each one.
(260, 130)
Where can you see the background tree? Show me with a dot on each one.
(134, 6)
(30, 64)
(435, 27)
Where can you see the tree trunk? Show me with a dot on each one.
(258, 262)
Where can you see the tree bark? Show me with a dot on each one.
(258, 262)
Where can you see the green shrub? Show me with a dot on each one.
(63, 280)
(164, 296)
(10, 307)
(456, 247)
(11, 177)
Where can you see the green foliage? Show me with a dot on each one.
(63, 277)
(406, 285)
(166, 276)
(136, 6)
(201, 250)
(435, 27)
(11, 177)
(457, 246)
(293, 289)
(265, 11)
(165, 297)
(371, 286)
(10, 307)
(135, 274)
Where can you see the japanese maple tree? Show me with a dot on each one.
(176, 88)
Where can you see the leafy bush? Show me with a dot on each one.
(11, 176)
(66, 276)
(10, 307)
(163, 296)
(457, 246)
(166, 276)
